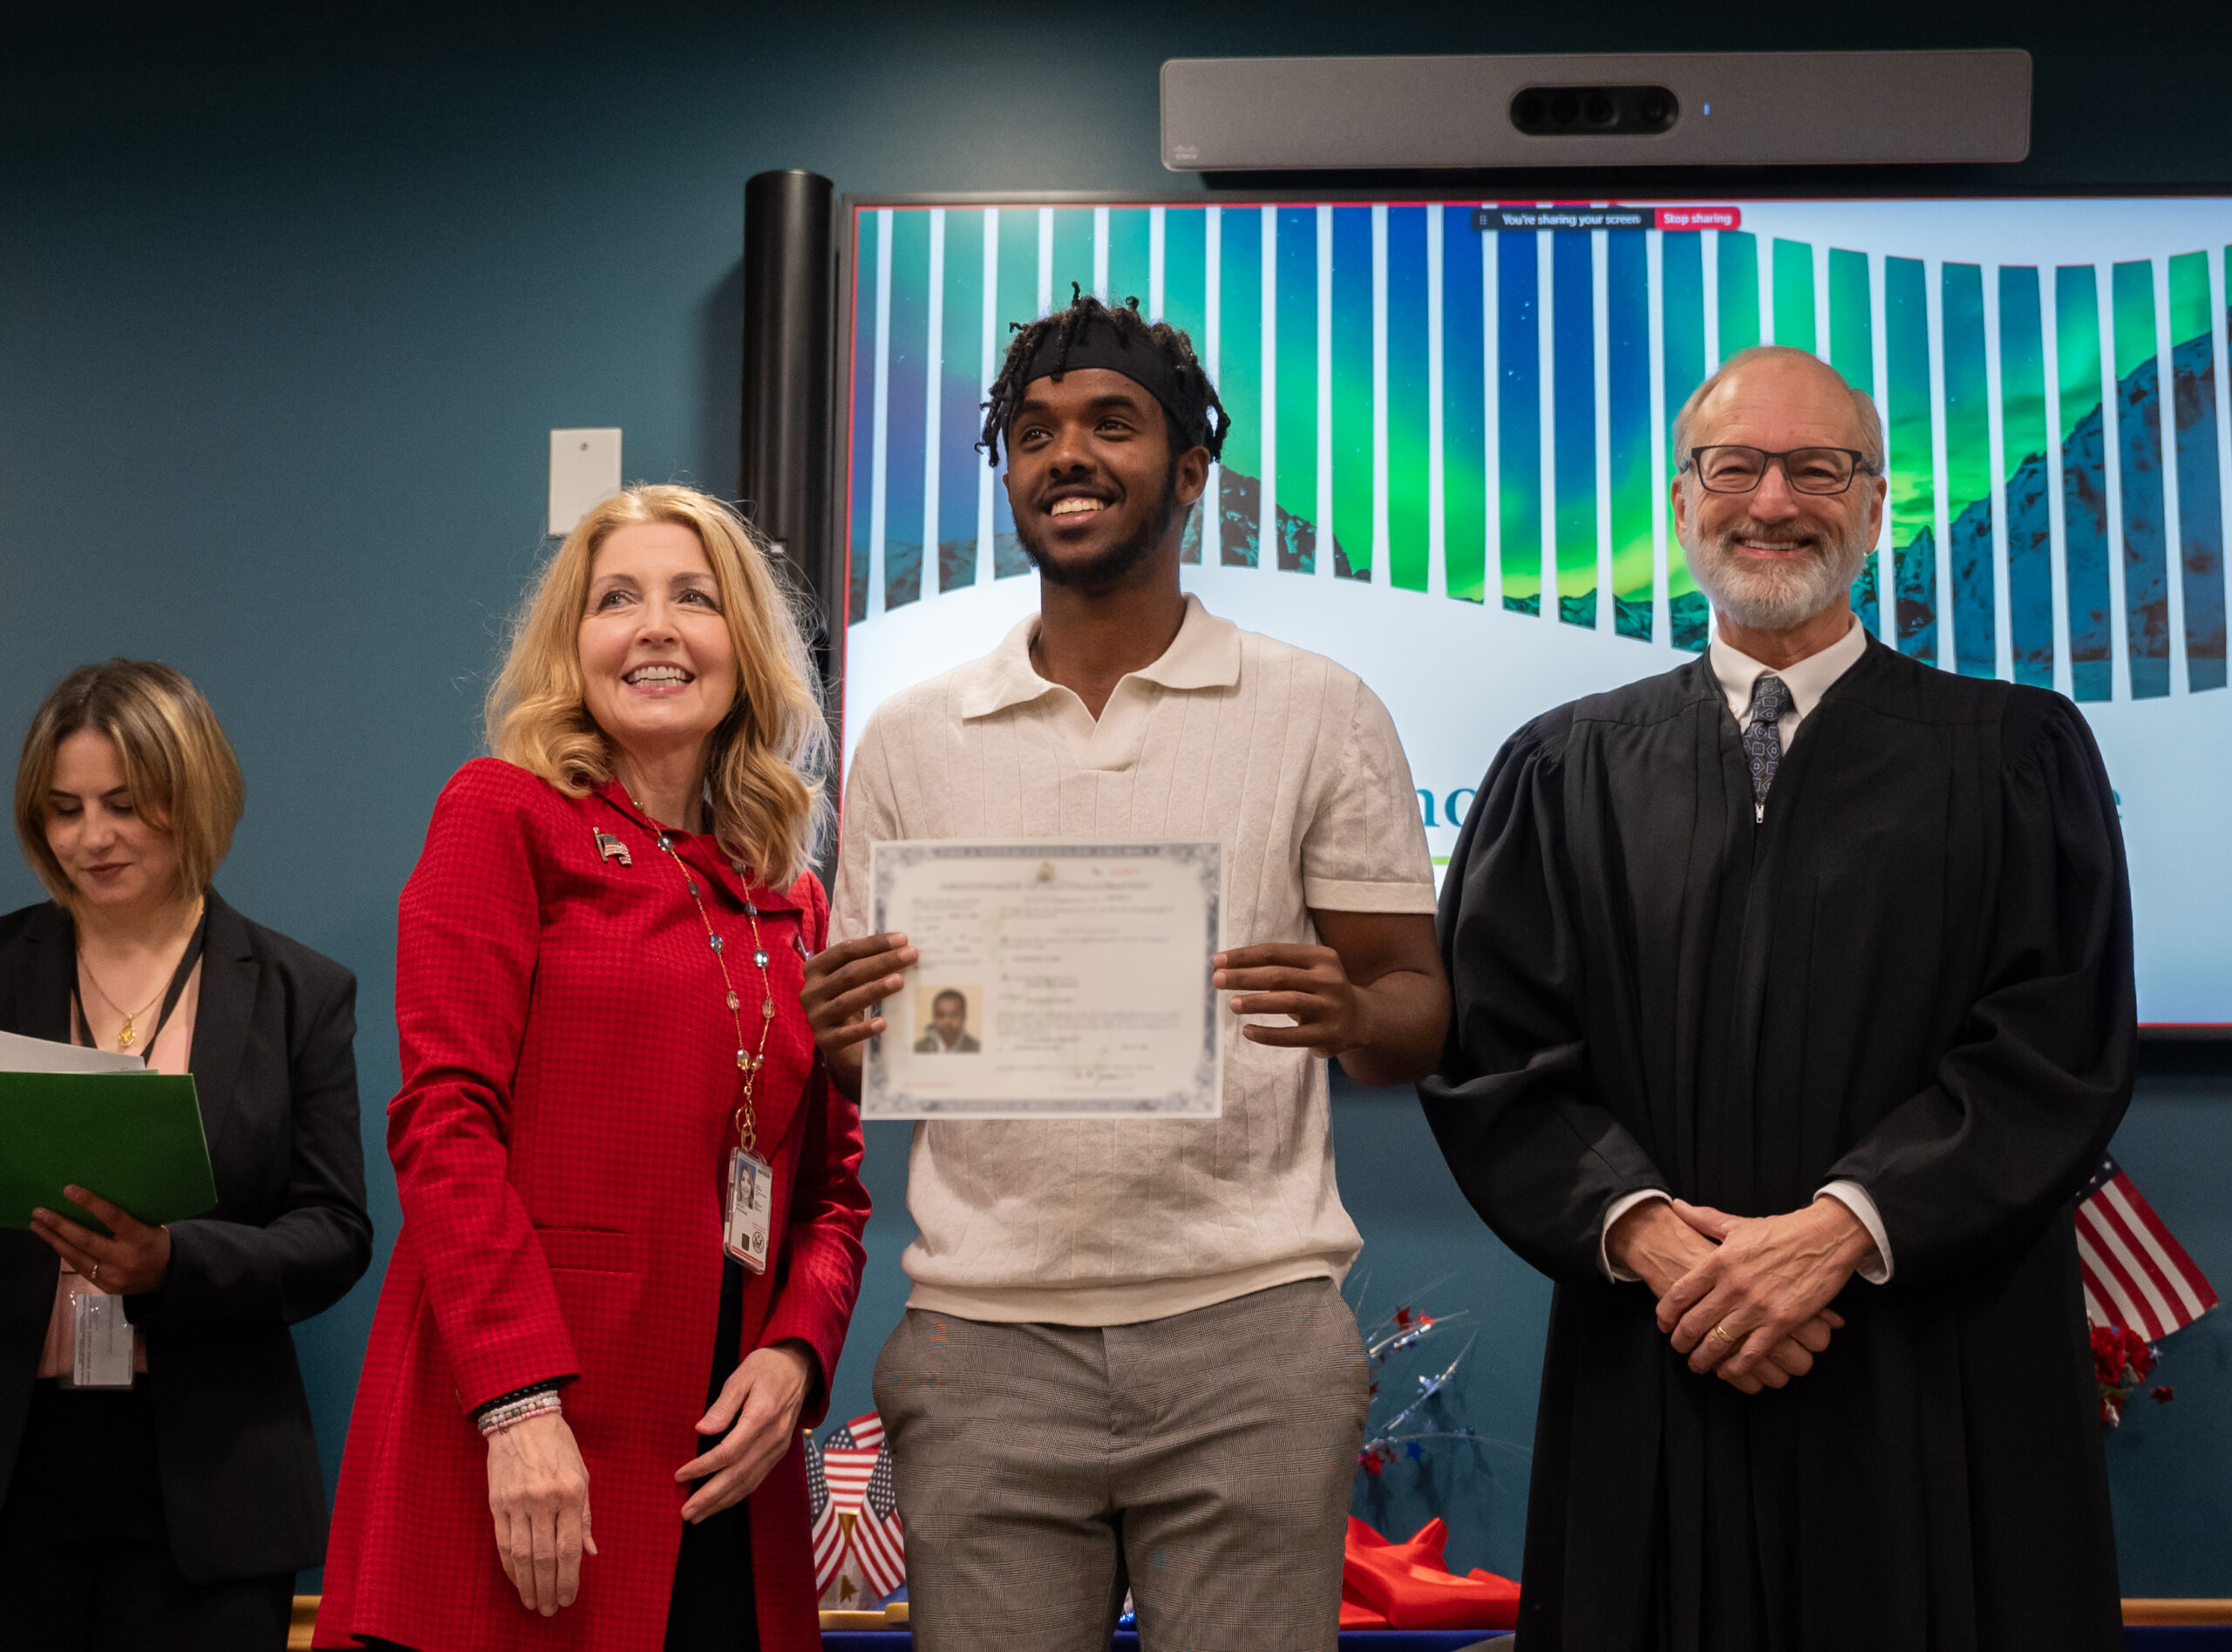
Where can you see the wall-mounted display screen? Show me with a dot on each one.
(1451, 446)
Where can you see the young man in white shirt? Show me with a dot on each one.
(1125, 1360)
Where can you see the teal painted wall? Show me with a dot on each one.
(289, 301)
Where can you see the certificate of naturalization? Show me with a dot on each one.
(1057, 980)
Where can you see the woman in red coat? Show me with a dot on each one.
(597, 973)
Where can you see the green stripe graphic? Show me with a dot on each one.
(1913, 477)
(1681, 267)
(1409, 432)
(1128, 256)
(1297, 536)
(1794, 293)
(1240, 383)
(1851, 320)
(1185, 306)
(1351, 507)
(1739, 290)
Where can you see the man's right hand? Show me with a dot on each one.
(1652, 1241)
(538, 1493)
(843, 984)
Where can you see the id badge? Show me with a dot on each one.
(751, 1192)
(101, 1353)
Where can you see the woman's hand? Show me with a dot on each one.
(538, 1493)
(133, 1261)
(762, 1397)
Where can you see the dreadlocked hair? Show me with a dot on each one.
(1199, 421)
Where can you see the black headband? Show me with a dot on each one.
(1098, 343)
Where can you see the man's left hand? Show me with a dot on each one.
(758, 1409)
(1770, 1276)
(132, 1261)
(1309, 983)
(1373, 995)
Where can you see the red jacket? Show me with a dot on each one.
(560, 1142)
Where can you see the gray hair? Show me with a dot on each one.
(1863, 405)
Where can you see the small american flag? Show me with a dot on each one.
(855, 1510)
(816, 1486)
(878, 1538)
(2136, 1275)
(828, 1540)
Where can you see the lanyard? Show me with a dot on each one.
(749, 1062)
(176, 991)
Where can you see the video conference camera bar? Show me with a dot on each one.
(1665, 109)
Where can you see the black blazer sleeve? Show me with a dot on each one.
(241, 1273)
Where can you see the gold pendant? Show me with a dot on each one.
(124, 1039)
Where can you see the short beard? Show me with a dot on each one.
(1778, 598)
(1116, 564)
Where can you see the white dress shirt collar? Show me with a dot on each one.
(1807, 681)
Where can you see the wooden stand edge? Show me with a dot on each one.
(891, 1617)
(2182, 1614)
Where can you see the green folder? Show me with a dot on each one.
(133, 1137)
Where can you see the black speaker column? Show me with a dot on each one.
(787, 474)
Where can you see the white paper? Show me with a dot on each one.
(1056, 980)
(19, 1054)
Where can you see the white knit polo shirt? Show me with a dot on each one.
(1294, 765)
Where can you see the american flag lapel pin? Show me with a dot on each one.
(610, 848)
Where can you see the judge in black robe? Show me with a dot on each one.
(1910, 970)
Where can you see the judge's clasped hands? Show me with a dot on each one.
(1744, 1298)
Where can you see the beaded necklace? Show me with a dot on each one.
(748, 1062)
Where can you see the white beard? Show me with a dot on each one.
(1773, 598)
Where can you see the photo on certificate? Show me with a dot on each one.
(1056, 980)
(947, 1013)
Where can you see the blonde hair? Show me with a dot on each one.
(1863, 405)
(178, 765)
(764, 772)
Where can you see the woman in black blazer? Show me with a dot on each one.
(175, 1512)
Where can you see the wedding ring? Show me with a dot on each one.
(1723, 1336)
(94, 1278)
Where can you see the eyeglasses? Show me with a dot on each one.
(1726, 469)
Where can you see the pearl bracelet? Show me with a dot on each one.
(499, 1418)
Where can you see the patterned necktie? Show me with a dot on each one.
(1763, 736)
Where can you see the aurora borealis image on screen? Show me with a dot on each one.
(1451, 444)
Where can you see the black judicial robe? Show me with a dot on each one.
(1915, 972)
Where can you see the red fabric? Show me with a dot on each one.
(1408, 1586)
(560, 1144)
